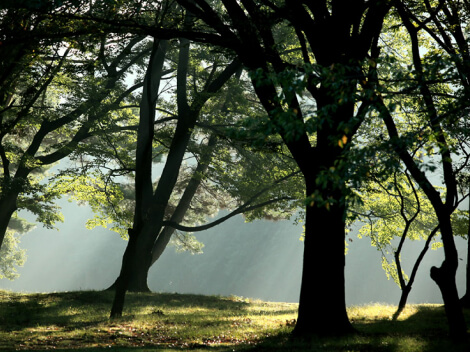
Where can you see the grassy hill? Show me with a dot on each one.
(78, 321)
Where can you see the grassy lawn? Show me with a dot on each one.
(167, 322)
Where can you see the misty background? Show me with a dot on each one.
(260, 260)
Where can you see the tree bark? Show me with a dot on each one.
(123, 280)
(465, 300)
(139, 278)
(341, 34)
(143, 176)
(7, 209)
(322, 303)
(405, 292)
(444, 276)
(406, 288)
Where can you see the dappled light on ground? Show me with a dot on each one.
(79, 321)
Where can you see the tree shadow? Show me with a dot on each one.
(18, 312)
(424, 331)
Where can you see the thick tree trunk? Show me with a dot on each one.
(445, 279)
(322, 307)
(322, 304)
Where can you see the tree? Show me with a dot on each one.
(438, 127)
(394, 211)
(153, 240)
(54, 94)
(328, 76)
(319, 139)
(445, 23)
(151, 204)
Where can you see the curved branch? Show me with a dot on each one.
(239, 210)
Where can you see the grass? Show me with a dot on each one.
(78, 321)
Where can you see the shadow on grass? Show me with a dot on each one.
(61, 309)
(424, 331)
(90, 308)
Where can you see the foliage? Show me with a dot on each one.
(11, 255)
(392, 209)
(316, 114)
(56, 94)
(238, 169)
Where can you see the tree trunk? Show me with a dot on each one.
(143, 176)
(138, 280)
(122, 281)
(444, 277)
(152, 206)
(405, 292)
(7, 208)
(322, 294)
(322, 307)
(139, 277)
(406, 288)
(465, 300)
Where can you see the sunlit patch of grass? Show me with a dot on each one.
(80, 320)
(378, 311)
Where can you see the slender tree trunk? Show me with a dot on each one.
(406, 288)
(405, 292)
(123, 280)
(7, 209)
(465, 300)
(152, 206)
(139, 278)
(138, 282)
(444, 276)
(143, 177)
